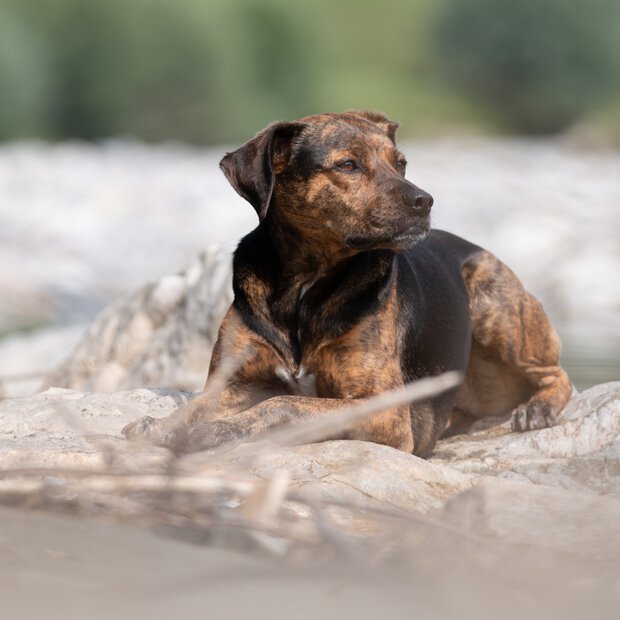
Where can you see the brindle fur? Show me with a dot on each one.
(341, 292)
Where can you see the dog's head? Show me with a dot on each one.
(339, 176)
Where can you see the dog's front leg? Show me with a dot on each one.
(181, 427)
(200, 432)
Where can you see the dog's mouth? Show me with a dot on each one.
(402, 240)
(406, 240)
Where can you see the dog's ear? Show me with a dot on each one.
(251, 169)
(377, 118)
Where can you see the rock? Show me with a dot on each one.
(61, 427)
(353, 472)
(162, 334)
(581, 452)
(511, 508)
(539, 517)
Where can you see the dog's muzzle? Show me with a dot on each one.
(416, 199)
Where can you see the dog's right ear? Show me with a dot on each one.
(251, 169)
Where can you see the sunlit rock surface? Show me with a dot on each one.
(581, 453)
(162, 334)
(488, 513)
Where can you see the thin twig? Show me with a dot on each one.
(317, 429)
(132, 483)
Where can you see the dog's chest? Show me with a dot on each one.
(319, 331)
(299, 382)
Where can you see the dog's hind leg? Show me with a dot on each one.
(515, 360)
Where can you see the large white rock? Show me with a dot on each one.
(489, 512)
(161, 334)
(581, 452)
(355, 472)
(63, 428)
(60, 428)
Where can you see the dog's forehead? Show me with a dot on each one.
(341, 127)
(331, 133)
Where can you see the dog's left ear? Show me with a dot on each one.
(251, 169)
(377, 118)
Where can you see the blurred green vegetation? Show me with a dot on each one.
(217, 70)
(540, 64)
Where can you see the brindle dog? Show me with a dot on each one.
(343, 292)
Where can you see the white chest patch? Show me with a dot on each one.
(300, 383)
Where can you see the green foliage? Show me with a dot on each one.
(155, 68)
(25, 97)
(218, 70)
(541, 64)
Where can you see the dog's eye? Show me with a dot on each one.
(347, 166)
(401, 165)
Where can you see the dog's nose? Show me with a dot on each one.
(417, 199)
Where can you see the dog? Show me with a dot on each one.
(343, 291)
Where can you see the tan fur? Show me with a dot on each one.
(316, 223)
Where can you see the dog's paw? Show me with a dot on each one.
(147, 428)
(199, 436)
(532, 416)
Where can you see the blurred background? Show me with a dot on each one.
(114, 114)
(213, 72)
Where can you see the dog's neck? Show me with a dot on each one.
(282, 278)
(305, 254)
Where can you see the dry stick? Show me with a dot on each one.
(109, 452)
(18, 482)
(265, 503)
(113, 486)
(114, 483)
(229, 366)
(317, 429)
(231, 362)
(304, 432)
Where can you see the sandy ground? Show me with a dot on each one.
(63, 567)
(56, 566)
